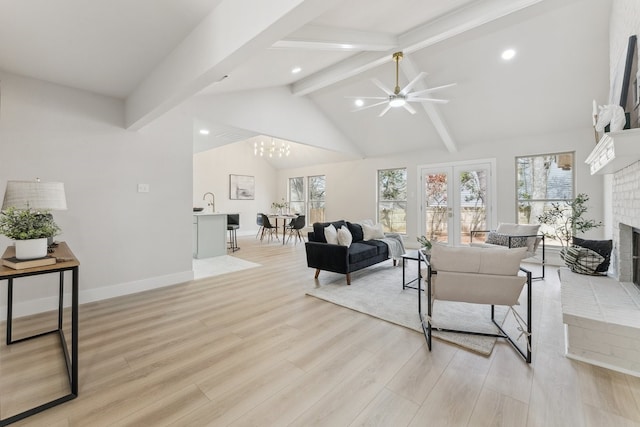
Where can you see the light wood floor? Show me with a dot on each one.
(250, 349)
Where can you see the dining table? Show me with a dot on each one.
(286, 218)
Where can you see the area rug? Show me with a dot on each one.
(377, 291)
(209, 267)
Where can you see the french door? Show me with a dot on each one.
(457, 198)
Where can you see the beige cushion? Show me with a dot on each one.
(500, 261)
(331, 234)
(344, 236)
(521, 230)
(371, 232)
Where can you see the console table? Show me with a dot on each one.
(66, 261)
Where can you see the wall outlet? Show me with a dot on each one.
(143, 188)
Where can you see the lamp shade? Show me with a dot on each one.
(35, 195)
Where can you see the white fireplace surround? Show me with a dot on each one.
(615, 151)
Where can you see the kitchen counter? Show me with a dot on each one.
(209, 234)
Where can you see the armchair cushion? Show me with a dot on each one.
(498, 261)
(530, 230)
(361, 252)
(495, 238)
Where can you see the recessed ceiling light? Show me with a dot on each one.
(296, 70)
(204, 131)
(508, 54)
(359, 102)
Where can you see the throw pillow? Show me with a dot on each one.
(331, 234)
(496, 238)
(372, 232)
(602, 247)
(530, 230)
(582, 260)
(356, 231)
(344, 236)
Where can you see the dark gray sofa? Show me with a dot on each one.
(340, 259)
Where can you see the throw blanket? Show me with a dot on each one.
(395, 243)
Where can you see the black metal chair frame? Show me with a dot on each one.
(427, 328)
(233, 223)
(540, 235)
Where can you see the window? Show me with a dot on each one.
(541, 181)
(297, 200)
(316, 198)
(392, 199)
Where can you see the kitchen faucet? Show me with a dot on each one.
(212, 203)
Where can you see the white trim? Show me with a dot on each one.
(492, 215)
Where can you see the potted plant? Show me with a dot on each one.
(280, 206)
(30, 229)
(566, 220)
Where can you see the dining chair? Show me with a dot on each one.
(295, 226)
(268, 227)
(259, 224)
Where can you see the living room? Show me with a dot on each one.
(101, 144)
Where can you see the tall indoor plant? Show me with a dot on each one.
(566, 219)
(30, 229)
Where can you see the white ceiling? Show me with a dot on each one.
(163, 54)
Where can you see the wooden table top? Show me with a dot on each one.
(65, 258)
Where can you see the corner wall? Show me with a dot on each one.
(126, 241)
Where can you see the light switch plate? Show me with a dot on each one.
(143, 188)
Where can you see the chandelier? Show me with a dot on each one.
(260, 149)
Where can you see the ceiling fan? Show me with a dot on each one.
(401, 97)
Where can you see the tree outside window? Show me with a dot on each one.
(541, 181)
(297, 202)
(316, 198)
(392, 199)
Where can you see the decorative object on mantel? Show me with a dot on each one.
(612, 115)
(25, 215)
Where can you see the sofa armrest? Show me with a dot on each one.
(325, 256)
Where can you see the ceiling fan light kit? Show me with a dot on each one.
(401, 97)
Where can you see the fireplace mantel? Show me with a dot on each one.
(615, 151)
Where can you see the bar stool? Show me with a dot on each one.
(233, 223)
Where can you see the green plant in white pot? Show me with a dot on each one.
(30, 229)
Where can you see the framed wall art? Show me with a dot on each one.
(242, 187)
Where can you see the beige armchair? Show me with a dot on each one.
(512, 236)
(489, 276)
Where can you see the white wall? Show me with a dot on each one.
(351, 186)
(211, 170)
(125, 241)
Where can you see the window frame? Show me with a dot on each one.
(405, 200)
(519, 200)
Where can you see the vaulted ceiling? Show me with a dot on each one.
(228, 63)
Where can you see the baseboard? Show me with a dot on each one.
(35, 306)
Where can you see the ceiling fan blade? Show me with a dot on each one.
(367, 97)
(433, 89)
(387, 108)
(381, 86)
(408, 87)
(369, 106)
(409, 108)
(437, 101)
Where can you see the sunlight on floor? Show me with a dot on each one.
(208, 267)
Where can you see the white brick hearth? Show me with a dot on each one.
(602, 321)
